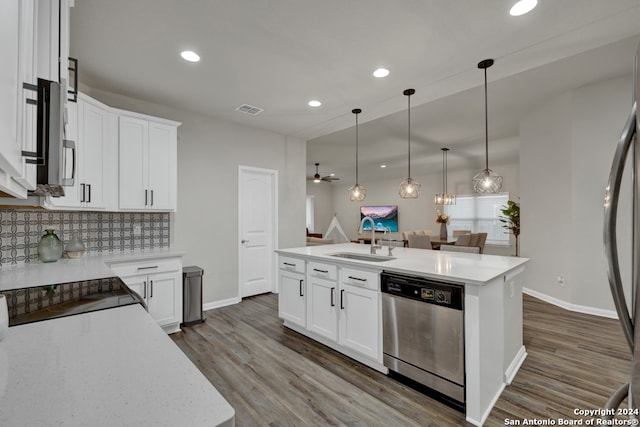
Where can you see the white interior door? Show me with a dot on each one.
(257, 230)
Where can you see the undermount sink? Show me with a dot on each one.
(362, 257)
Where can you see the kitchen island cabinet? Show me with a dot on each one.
(492, 284)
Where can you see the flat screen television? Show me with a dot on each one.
(385, 217)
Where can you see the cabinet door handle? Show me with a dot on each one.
(320, 271)
(301, 292)
(145, 197)
(144, 289)
(89, 198)
(83, 188)
(333, 303)
(342, 299)
(357, 278)
(151, 197)
(151, 289)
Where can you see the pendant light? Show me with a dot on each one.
(444, 198)
(409, 188)
(357, 192)
(487, 181)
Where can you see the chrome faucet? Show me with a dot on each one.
(374, 247)
(390, 248)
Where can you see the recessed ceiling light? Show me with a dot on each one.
(522, 7)
(381, 72)
(314, 103)
(383, 166)
(189, 55)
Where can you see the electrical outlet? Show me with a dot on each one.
(137, 229)
(560, 279)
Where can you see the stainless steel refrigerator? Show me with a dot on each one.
(627, 305)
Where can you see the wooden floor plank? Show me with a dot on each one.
(273, 376)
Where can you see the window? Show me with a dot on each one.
(310, 217)
(480, 213)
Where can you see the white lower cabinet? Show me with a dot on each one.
(322, 311)
(338, 306)
(359, 317)
(159, 284)
(292, 298)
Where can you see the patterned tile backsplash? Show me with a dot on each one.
(21, 229)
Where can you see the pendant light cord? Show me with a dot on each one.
(356, 111)
(409, 136)
(486, 123)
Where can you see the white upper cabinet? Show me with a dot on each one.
(147, 164)
(35, 44)
(17, 32)
(93, 127)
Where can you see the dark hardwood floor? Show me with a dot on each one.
(276, 377)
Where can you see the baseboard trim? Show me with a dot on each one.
(612, 314)
(515, 364)
(484, 416)
(220, 303)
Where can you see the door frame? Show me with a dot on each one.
(273, 174)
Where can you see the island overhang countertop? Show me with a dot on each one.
(467, 268)
(106, 368)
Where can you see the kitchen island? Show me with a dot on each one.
(107, 368)
(332, 294)
(113, 367)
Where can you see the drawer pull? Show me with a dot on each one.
(148, 268)
(288, 264)
(357, 278)
(320, 271)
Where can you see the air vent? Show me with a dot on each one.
(249, 109)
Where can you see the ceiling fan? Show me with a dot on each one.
(318, 178)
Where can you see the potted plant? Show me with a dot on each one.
(511, 220)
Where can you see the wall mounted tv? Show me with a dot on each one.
(385, 217)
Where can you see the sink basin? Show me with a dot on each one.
(362, 257)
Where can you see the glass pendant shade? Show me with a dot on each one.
(487, 181)
(409, 188)
(444, 198)
(357, 192)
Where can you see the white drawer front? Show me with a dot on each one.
(323, 271)
(147, 267)
(362, 278)
(292, 264)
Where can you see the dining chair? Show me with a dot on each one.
(466, 249)
(482, 239)
(463, 240)
(457, 233)
(419, 241)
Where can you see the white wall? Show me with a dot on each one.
(209, 153)
(414, 214)
(566, 149)
(323, 203)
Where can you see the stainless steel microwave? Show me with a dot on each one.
(53, 150)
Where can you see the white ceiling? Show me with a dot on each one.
(279, 54)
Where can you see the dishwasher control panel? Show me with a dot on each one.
(423, 289)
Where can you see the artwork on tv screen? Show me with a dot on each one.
(385, 217)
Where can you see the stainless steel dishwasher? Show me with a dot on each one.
(423, 333)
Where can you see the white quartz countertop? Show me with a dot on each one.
(107, 368)
(463, 267)
(89, 267)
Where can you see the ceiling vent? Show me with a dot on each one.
(249, 109)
